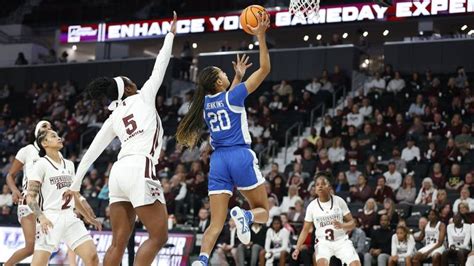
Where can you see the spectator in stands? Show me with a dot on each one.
(277, 243)
(367, 137)
(290, 200)
(437, 128)
(283, 89)
(327, 87)
(455, 128)
(411, 152)
(465, 197)
(403, 247)
(397, 84)
(358, 238)
(354, 118)
(389, 210)
(228, 243)
(415, 83)
(183, 110)
(298, 170)
(469, 182)
(427, 194)
(275, 170)
(337, 152)
(393, 177)
(382, 191)
(454, 180)
(458, 242)
(341, 183)
(377, 84)
(433, 245)
(399, 162)
(313, 136)
(371, 167)
(314, 87)
(278, 187)
(352, 174)
(327, 131)
(276, 104)
(291, 105)
(337, 78)
(441, 200)
(296, 214)
(306, 104)
(323, 163)
(380, 244)
(254, 128)
(398, 130)
(366, 109)
(461, 78)
(407, 192)
(451, 153)
(417, 129)
(432, 154)
(418, 107)
(203, 221)
(368, 217)
(273, 209)
(308, 161)
(6, 198)
(464, 141)
(253, 249)
(360, 192)
(21, 60)
(379, 127)
(388, 74)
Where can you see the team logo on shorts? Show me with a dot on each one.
(155, 192)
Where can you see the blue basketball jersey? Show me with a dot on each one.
(226, 118)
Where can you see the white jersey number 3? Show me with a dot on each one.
(219, 121)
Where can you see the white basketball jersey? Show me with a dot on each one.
(322, 214)
(402, 247)
(55, 179)
(27, 155)
(432, 234)
(458, 236)
(138, 126)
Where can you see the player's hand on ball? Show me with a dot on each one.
(295, 254)
(263, 24)
(45, 224)
(337, 224)
(173, 25)
(240, 66)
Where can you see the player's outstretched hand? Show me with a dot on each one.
(295, 254)
(45, 224)
(240, 66)
(173, 25)
(263, 24)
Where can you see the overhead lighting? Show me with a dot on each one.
(306, 38)
(251, 46)
(319, 37)
(74, 47)
(256, 43)
(385, 32)
(345, 35)
(464, 27)
(471, 32)
(365, 34)
(421, 32)
(367, 61)
(195, 45)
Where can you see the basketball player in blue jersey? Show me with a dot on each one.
(233, 163)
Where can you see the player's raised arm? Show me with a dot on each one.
(153, 84)
(262, 72)
(240, 66)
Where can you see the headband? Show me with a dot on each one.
(38, 127)
(120, 91)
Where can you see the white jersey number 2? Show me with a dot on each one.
(219, 121)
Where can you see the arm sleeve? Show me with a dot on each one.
(21, 155)
(268, 241)
(98, 145)
(37, 172)
(238, 95)
(394, 245)
(152, 85)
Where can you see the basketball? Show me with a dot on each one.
(249, 17)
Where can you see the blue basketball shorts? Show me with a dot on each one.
(234, 167)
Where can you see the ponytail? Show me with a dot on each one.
(189, 129)
(41, 136)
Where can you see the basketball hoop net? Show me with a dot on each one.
(304, 8)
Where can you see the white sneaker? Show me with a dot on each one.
(243, 230)
(198, 263)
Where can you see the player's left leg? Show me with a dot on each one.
(155, 219)
(88, 253)
(345, 251)
(40, 258)
(71, 257)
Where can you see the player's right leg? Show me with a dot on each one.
(28, 225)
(219, 206)
(122, 218)
(40, 258)
(323, 253)
(88, 253)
